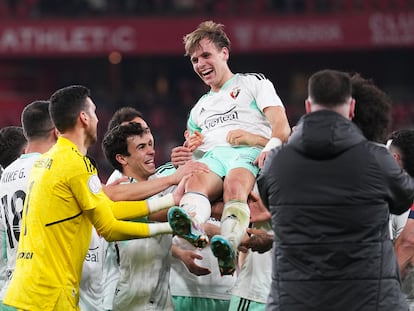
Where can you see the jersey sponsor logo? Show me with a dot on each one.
(93, 255)
(235, 92)
(94, 184)
(219, 119)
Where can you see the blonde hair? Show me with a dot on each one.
(208, 29)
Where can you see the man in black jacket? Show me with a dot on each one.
(330, 192)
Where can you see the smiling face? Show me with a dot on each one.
(140, 163)
(210, 64)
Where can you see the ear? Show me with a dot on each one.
(308, 106)
(352, 109)
(397, 157)
(55, 133)
(226, 53)
(121, 159)
(83, 117)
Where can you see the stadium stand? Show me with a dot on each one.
(130, 52)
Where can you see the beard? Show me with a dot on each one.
(91, 136)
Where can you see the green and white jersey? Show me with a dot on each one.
(92, 284)
(13, 189)
(239, 104)
(257, 269)
(165, 169)
(144, 268)
(185, 284)
(3, 254)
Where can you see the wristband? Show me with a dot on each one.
(272, 143)
(159, 228)
(160, 203)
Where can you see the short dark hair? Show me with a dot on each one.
(373, 109)
(330, 88)
(124, 114)
(115, 141)
(66, 104)
(403, 140)
(36, 120)
(12, 144)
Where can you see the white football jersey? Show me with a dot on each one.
(13, 188)
(239, 104)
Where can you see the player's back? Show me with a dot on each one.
(13, 189)
(55, 233)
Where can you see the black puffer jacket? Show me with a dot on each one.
(330, 192)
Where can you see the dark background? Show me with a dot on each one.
(164, 87)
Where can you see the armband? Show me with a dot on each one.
(157, 204)
(272, 143)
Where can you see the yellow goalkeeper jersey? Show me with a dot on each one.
(55, 232)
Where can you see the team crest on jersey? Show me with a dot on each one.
(94, 184)
(235, 92)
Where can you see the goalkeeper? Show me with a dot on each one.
(64, 200)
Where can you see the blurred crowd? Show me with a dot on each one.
(165, 88)
(87, 8)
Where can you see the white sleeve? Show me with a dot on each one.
(266, 95)
(398, 223)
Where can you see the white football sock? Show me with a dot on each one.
(234, 221)
(194, 202)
